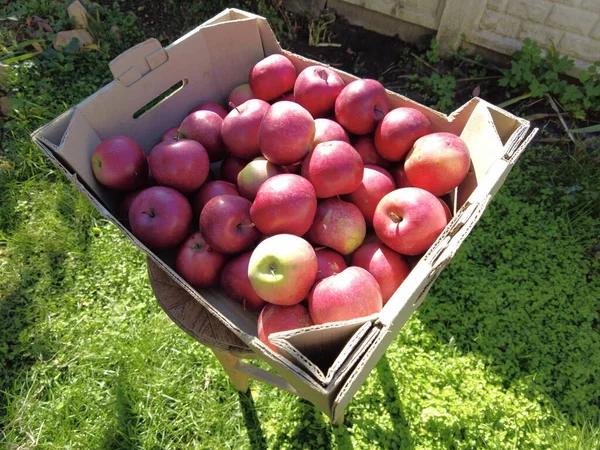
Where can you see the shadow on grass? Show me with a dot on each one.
(124, 435)
(255, 433)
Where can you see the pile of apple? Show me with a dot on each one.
(324, 190)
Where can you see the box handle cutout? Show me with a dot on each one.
(160, 98)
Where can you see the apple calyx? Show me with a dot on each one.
(232, 106)
(198, 248)
(395, 217)
(150, 213)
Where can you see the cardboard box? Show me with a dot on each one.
(323, 364)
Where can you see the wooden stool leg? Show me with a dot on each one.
(229, 362)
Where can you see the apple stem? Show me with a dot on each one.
(232, 106)
(395, 217)
(150, 213)
(179, 134)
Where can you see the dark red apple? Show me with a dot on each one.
(226, 225)
(438, 163)
(334, 168)
(210, 190)
(338, 225)
(284, 204)
(399, 130)
(327, 130)
(316, 89)
(361, 105)
(160, 217)
(239, 95)
(350, 294)
(399, 176)
(182, 164)
(231, 167)
(172, 134)
(240, 128)
(276, 318)
(235, 283)
(272, 77)
(286, 133)
(205, 127)
(198, 263)
(387, 267)
(126, 204)
(365, 146)
(330, 262)
(211, 106)
(120, 163)
(376, 183)
(409, 220)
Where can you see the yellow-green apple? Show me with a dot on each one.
(409, 220)
(172, 134)
(338, 225)
(276, 318)
(286, 133)
(350, 294)
(120, 163)
(211, 106)
(376, 183)
(231, 167)
(240, 128)
(388, 267)
(438, 162)
(316, 89)
(282, 269)
(205, 127)
(365, 146)
(284, 204)
(198, 263)
(399, 130)
(160, 217)
(361, 105)
(254, 175)
(225, 224)
(210, 190)
(239, 95)
(329, 263)
(333, 168)
(182, 164)
(399, 176)
(327, 130)
(235, 283)
(272, 77)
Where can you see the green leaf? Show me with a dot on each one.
(590, 129)
(20, 58)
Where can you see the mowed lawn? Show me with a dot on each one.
(504, 353)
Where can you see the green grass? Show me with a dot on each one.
(502, 354)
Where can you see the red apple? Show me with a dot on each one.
(125, 205)
(172, 134)
(399, 176)
(387, 267)
(211, 106)
(235, 283)
(276, 318)
(231, 167)
(338, 225)
(361, 105)
(327, 130)
(240, 128)
(254, 175)
(225, 224)
(289, 97)
(334, 168)
(282, 269)
(316, 89)
(182, 164)
(272, 77)
(284, 204)
(240, 95)
(399, 130)
(438, 163)
(286, 133)
(446, 209)
(329, 263)
(365, 146)
(205, 127)
(376, 183)
(409, 220)
(350, 294)
(211, 190)
(160, 217)
(120, 163)
(198, 263)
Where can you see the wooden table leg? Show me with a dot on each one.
(229, 362)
